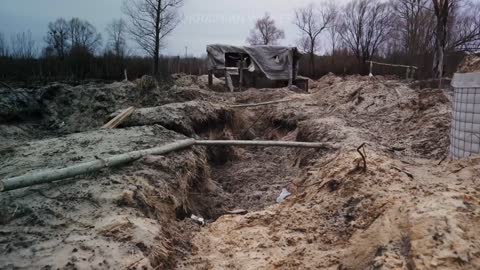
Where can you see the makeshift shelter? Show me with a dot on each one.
(256, 66)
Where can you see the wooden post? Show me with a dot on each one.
(210, 77)
(126, 75)
(371, 68)
(240, 72)
(290, 80)
(294, 67)
(228, 81)
(408, 73)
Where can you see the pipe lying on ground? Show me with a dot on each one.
(260, 104)
(265, 143)
(47, 176)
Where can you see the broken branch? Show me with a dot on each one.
(364, 156)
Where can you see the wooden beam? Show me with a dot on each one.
(115, 122)
(391, 65)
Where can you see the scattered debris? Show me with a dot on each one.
(283, 195)
(363, 155)
(471, 63)
(237, 212)
(140, 216)
(198, 220)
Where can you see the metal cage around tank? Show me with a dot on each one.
(465, 131)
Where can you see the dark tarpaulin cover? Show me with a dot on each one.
(274, 61)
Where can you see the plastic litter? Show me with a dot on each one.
(198, 220)
(283, 195)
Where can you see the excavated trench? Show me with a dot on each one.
(208, 182)
(243, 179)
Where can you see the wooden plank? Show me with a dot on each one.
(115, 122)
(391, 65)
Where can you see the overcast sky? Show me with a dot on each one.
(204, 21)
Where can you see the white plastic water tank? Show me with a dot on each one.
(465, 133)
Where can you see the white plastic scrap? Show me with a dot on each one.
(199, 220)
(283, 195)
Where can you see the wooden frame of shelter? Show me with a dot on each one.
(237, 69)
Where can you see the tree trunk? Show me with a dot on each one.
(312, 63)
(441, 13)
(440, 45)
(156, 53)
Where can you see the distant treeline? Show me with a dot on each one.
(105, 67)
(429, 34)
(109, 67)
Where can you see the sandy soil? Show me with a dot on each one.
(408, 209)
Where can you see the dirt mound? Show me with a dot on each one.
(27, 114)
(17, 104)
(121, 217)
(253, 96)
(69, 107)
(341, 217)
(184, 80)
(323, 82)
(364, 94)
(188, 118)
(471, 63)
(387, 205)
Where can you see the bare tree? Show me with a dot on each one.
(312, 22)
(57, 37)
(117, 41)
(150, 22)
(366, 25)
(265, 32)
(441, 10)
(414, 23)
(22, 46)
(3, 46)
(334, 29)
(464, 32)
(84, 35)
